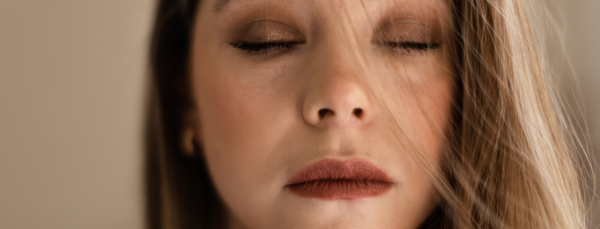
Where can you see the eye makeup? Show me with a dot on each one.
(406, 38)
(397, 33)
(267, 36)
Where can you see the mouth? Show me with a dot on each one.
(334, 180)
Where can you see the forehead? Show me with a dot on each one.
(220, 5)
(361, 13)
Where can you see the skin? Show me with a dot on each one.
(257, 112)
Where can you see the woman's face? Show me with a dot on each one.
(315, 113)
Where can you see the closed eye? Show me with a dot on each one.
(406, 48)
(403, 48)
(264, 48)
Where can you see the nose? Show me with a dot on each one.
(335, 97)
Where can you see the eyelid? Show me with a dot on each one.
(406, 38)
(266, 31)
(389, 24)
(406, 31)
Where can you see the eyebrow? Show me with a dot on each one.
(220, 4)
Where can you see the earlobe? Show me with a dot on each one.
(190, 135)
(187, 141)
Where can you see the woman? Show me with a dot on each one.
(354, 114)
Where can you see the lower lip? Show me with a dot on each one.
(344, 189)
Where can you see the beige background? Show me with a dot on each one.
(72, 77)
(71, 94)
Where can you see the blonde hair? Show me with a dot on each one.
(510, 162)
(512, 165)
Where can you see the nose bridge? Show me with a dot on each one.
(335, 95)
(334, 64)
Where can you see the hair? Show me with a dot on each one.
(511, 164)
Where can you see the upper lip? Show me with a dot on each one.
(331, 169)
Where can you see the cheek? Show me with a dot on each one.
(427, 121)
(232, 125)
(235, 122)
(238, 125)
(237, 111)
(420, 100)
(434, 116)
(227, 113)
(231, 112)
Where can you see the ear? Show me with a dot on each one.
(191, 138)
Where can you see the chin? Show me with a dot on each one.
(380, 212)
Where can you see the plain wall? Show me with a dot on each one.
(72, 83)
(580, 21)
(72, 77)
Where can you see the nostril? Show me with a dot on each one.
(357, 112)
(324, 112)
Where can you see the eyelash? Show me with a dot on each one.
(269, 47)
(264, 48)
(406, 48)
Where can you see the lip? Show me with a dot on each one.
(331, 179)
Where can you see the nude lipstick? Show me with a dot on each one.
(334, 180)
